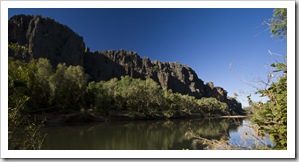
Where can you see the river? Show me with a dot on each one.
(153, 135)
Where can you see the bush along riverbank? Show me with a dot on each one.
(66, 90)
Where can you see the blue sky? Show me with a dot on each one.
(226, 46)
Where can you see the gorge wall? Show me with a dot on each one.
(46, 38)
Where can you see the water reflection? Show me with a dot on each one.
(247, 137)
(139, 135)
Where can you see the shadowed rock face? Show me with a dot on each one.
(169, 75)
(49, 39)
(46, 38)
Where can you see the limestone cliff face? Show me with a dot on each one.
(105, 65)
(47, 38)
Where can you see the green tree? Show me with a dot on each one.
(23, 131)
(68, 86)
(278, 23)
(40, 91)
(272, 115)
(18, 51)
(98, 99)
(212, 107)
(21, 80)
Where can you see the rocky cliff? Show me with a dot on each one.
(104, 65)
(47, 38)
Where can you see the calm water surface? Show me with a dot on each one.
(149, 135)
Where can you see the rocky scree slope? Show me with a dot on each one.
(46, 38)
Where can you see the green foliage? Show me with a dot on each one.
(141, 96)
(278, 23)
(68, 86)
(19, 51)
(66, 89)
(272, 115)
(97, 97)
(40, 91)
(16, 48)
(46, 88)
(183, 105)
(145, 99)
(35, 87)
(280, 67)
(20, 80)
(23, 133)
(211, 106)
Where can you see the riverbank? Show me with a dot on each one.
(89, 117)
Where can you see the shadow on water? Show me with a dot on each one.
(138, 135)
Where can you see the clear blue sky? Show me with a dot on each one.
(225, 46)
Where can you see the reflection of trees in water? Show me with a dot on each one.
(147, 135)
(208, 132)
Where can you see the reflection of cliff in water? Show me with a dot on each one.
(145, 135)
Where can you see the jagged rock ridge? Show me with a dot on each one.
(44, 37)
(104, 65)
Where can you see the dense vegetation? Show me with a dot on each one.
(146, 99)
(36, 88)
(66, 89)
(272, 115)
